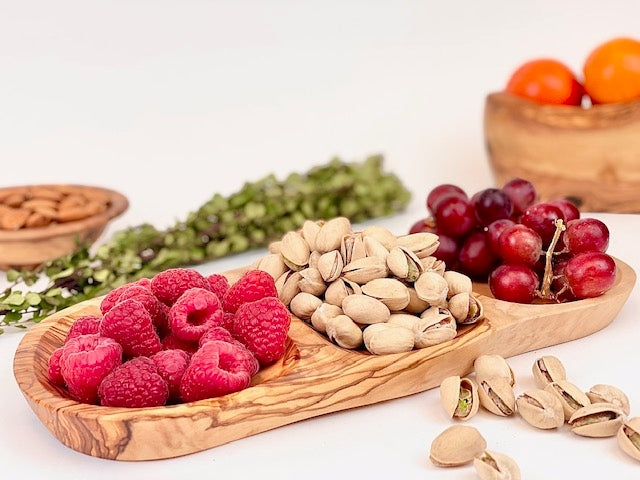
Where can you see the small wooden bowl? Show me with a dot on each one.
(590, 155)
(29, 247)
(313, 378)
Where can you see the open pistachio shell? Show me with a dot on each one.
(571, 397)
(323, 313)
(432, 288)
(493, 365)
(458, 282)
(465, 308)
(339, 289)
(540, 409)
(547, 369)
(597, 420)
(629, 437)
(312, 282)
(295, 250)
(459, 397)
(330, 265)
(344, 332)
(365, 269)
(287, 286)
(497, 396)
(602, 393)
(423, 244)
(393, 293)
(382, 234)
(436, 326)
(457, 445)
(352, 248)
(492, 465)
(404, 264)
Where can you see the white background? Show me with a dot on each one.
(172, 101)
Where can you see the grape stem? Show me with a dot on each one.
(547, 279)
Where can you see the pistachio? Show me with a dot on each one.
(629, 437)
(432, 288)
(456, 445)
(423, 244)
(303, 305)
(309, 232)
(405, 320)
(344, 332)
(493, 365)
(492, 465)
(571, 397)
(457, 282)
(312, 282)
(364, 309)
(597, 420)
(465, 308)
(386, 338)
(436, 325)
(416, 304)
(540, 409)
(331, 232)
(496, 395)
(323, 313)
(432, 264)
(330, 265)
(391, 292)
(295, 250)
(609, 394)
(314, 258)
(273, 264)
(548, 369)
(374, 248)
(382, 234)
(339, 289)
(365, 269)
(287, 286)
(459, 397)
(352, 248)
(275, 247)
(403, 263)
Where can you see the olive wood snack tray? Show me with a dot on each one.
(314, 377)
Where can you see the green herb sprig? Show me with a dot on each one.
(260, 212)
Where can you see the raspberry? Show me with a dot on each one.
(85, 361)
(217, 333)
(262, 326)
(227, 320)
(112, 297)
(135, 383)
(157, 309)
(129, 323)
(171, 342)
(171, 365)
(195, 312)
(169, 285)
(83, 325)
(252, 285)
(218, 284)
(216, 369)
(55, 372)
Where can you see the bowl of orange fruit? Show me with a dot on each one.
(575, 135)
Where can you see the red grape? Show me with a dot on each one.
(442, 191)
(542, 217)
(590, 274)
(494, 230)
(513, 283)
(569, 209)
(448, 250)
(520, 245)
(585, 235)
(424, 225)
(522, 194)
(476, 258)
(454, 216)
(491, 204)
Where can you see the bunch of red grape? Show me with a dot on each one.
(527, 250)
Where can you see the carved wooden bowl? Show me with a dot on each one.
(591, 155)
(29, 246)
(314, 377)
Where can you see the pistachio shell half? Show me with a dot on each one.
(629, 437)
(540, 409)
(597, 420)
(386, 338)
(601, 393)
(459, 397)
(456, 445)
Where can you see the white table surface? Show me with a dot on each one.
(170, 102)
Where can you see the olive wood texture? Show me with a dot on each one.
(314, 377)
(29, 247)
(591, 155)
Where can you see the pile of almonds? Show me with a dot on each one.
(602, 411)
(40, 205)
(370, 288)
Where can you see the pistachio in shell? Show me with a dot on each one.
(457, 282)
(432, 288)
(602, 393)
(492, 465)
(465, 308)
(547, 369)
(540, 409)
(597, 420)
(339, 289)
(571, 397)
(374, 248)
(382, 234)
(497, 396)
(344, 332)
(386, 338)
(493, 365)
(459, 397)
(423, 244)
(323, 313)
(330, 265)
(352, 247)
(391, 292)
(273, 264)
(295, 250)
(365, 269)
(457, 445)
(628, 437)
(436, 325)
(309, 232)
(365, 310)
(404, 264)
(416, 305)
(287, 286)
(331, 232)
(303, 305)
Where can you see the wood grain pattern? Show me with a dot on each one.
(592, 155)
(30, 247)
(313, 378)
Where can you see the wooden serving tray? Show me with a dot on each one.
(314, 377)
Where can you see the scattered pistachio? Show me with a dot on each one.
(457, 445)
(492, 465)
(629, 437)
(597, 420)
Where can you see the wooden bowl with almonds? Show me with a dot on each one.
(42, 222)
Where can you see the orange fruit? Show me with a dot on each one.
(612, 71)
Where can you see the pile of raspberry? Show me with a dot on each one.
(177, 337)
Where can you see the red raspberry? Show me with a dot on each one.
(252, 285)
(263, 326)
(218, 284)
(85, 361)
(112, 297)
(227, 320)
(55, 372)
(171, 365)
(83, 325)
(171, 342)
(195, 312)
(169, 285)
(135, 383)
(217, 333)
(155, 307)
(129, 323)
(216, 369)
